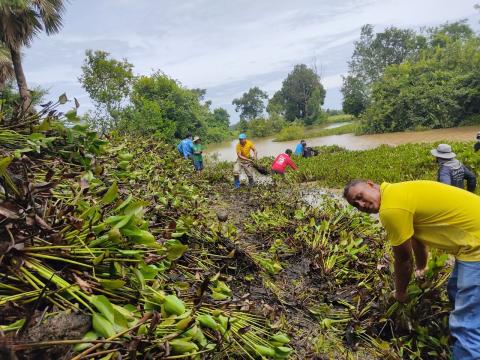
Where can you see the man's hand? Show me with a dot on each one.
(400, 297)
(420, 273)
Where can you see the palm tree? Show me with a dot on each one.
(20, 22)
(6, 66)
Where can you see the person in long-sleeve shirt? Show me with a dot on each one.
(185, 147)
(282, 161)
(452, 171)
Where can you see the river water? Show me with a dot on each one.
(267, 147)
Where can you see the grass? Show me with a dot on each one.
(339, 118)
(295, 132)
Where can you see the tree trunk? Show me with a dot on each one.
(21, 80)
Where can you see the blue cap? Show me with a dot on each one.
(242, 136)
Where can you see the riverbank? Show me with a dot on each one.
(268, 147)
(296, 132)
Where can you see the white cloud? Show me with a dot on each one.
(226, 47)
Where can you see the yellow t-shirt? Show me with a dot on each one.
(441, 216)
(245, 149)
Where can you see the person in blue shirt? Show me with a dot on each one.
(299, 150)
(185, 147)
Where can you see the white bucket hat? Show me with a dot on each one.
(443, 151)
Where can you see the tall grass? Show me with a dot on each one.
(297, 132)
(339, 118)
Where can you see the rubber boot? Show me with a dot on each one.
(250, 182)
(236, 182)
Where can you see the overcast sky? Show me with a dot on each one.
(224, 46)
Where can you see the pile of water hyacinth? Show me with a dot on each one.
(111, 249)
(104, 252)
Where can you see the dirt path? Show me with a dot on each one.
(282, 297)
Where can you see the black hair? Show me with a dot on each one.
(351, 184)
(288, 152)
(189, 135)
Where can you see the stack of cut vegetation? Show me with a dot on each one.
(106, 253)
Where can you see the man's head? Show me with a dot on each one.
(288, 152)
(196, 139)
(242, 138)
(478, 136)
(303, 142)
(364, 195)
(189, 136)
(443, 151)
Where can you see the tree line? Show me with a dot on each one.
(299, 100)
(400, 79)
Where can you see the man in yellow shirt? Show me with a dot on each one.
(418, 214)
(244, 160)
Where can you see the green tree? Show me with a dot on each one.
(276, 104)
(220, 118)
(302, 95)
(448, 32)
(147, 118)
(355, 95)
(375, 51)
(178, 105)
(108, 83)
(251, 104)
(20, 22)
(440, 89)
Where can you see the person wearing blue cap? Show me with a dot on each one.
(244, 160)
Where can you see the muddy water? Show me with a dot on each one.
(267, 147)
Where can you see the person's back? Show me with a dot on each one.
(299, 149)
(436, 214)
(453, 172)
(186, 147)
(282, 161)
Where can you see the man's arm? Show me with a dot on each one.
(471, 179)
(420, 251)
(292, 164)
(402, 255)
(254, 152)
(240, 156)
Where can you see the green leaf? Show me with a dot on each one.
(71, 115)
(175, 249)
(139, 236)
(102, 326)
(112, 284)
(124, 203)
(111, 194)
(104, 306)
(91, 335)
(13, 326)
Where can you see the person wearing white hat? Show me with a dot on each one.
(476, 147)
(452, 171)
